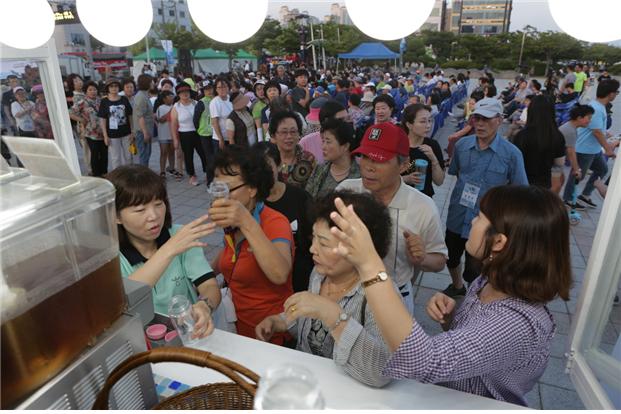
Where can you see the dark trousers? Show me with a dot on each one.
(456, 247)
(210, 148)
(586, 162)
(190, 142)
(99, 157)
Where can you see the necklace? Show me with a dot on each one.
(340, 291)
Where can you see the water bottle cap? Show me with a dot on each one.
(156, 331)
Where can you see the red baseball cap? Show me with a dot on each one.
(382, 142)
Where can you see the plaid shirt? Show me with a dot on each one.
(497, 350)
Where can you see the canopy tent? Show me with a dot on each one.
(217, 61)
(370, 51)
(155, 54)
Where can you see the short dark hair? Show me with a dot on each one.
(355, 99)
(126, 81)
(301, 72)
(253, 168)
(277, 117)
(71, 78)
(144, 82)
(580, 111)
(409, 114)
(330, 109)
(273, 84)
(606, 87)
(90, 83)
(569, 85)
(268, 149)
(536, 84)
(343, 83)
(166, 94)
(135, 185)
(534, 264)
(343, 131)
(491, 91)
(387, 99)
(477, 95)
(221, 79)
(373, 214)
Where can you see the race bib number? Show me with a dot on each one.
(469, 195)
(114, 123)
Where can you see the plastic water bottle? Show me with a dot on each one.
(288, 387)
(180, 313)
(420, 168)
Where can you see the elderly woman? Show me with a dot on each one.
(296, 163)
(332, 318)
(257, 257)
(240, 128)
(337, 137)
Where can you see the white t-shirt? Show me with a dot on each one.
(185, 115)
(220, 109)
(412, 210)
(163, 129)
(25, 123)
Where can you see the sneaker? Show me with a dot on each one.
(193, 180)
(577, 206)
(587, 201)
(453, 292)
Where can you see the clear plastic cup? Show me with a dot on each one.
(180, 313)
(288, 387)
(420, 169)
(218, 189)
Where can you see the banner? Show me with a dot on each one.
(167, 45)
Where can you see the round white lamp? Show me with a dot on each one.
(116, 22)
(213, 18)
(401, 17)
(26, 24)
(595, 21)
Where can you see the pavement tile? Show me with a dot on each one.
(533, 398)
(555, 374)
(555, 398)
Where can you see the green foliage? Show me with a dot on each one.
(615, 69)
(504, 64)
(461, 64)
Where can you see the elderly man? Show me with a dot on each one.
(417, 243)
(481, 161)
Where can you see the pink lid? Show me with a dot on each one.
(170, 336)
(156, 331)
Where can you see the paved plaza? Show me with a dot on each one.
(555, 389)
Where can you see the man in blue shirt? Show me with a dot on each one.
(480, 162)
(589, 145)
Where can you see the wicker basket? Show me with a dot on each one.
(237, 395)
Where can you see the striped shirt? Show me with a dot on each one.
(361, 351)
(497, 350)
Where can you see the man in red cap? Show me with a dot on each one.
(417, 237)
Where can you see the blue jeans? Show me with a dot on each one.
(586, 162)
(144, 149)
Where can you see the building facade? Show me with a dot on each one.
(435, 21)
(485, 17)
(172, 11)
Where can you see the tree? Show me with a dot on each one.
(553, 46)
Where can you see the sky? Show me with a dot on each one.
(533, 12)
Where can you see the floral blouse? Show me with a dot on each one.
(87, 109)
(299, 172)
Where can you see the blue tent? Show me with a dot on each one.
(370, 51)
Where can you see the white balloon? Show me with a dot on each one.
(594, 21)
(228, 21)
(26, 24)
(397, 19)
(116, 22)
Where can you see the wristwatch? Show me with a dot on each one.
(342, 318)
(381, 277)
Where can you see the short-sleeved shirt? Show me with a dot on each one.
(163, 128)
(116, 113)
(417, 154)
(221, 109)
(570, 133)
(255, 297)
(581, 77)
(142, 108)
(257, 109)
(499, 164)
(409, 210)
(185, 272)
(587, 143)
(25, 123)
(539, 161)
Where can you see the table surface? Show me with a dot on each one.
(340, 391)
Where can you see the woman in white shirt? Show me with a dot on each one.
(183, 131)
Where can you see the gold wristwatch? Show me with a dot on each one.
(381, 277)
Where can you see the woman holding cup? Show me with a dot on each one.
(257, 258)
(426, 161)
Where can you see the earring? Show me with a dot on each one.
(491, 257)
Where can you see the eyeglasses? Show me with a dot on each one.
(236, 188)
(293, 132)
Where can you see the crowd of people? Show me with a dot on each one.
(330, 217)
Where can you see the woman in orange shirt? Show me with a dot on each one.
(257, 257)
